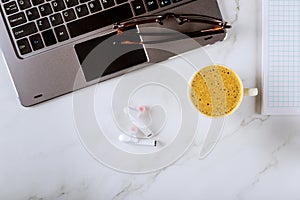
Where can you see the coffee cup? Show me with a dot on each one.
(217, 91)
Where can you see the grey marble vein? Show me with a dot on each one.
(253, 118)
(271, 164)
(35, 197)
(246, 122)
(237, 10)
(132, 187)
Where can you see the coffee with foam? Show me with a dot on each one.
(216, 91)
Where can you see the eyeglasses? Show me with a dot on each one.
(202, 25)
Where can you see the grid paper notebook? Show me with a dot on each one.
(281, 57)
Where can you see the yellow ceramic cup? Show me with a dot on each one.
(217, 91)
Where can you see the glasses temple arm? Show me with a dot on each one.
(220, 23)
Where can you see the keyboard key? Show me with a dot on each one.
(107, 3)
(71, 3)
(164, 3)
(23, 46)
(58, 5)
(43, 24)
(82, 10)
(11, 7)
(83, 1)
(45, 9)
(32, 14)
(37, 2)
(49, 37)
(23, 4)
(121, 1)
(56, 19)
(36, 42)
(94, 6)
(69, 15)
(61, 33)
(17, 19)
(138, 7)
(4, 1)
(92, 22)
(24, 30)
(151, 5)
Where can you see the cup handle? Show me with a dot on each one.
(250, 92)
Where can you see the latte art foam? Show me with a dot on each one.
(216, 91)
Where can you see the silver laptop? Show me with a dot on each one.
(45, 42)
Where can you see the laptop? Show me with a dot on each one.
(45, 42)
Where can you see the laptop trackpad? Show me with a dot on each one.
(106, 55)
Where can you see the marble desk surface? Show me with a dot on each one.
(257, 157)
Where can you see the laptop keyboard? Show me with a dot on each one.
(38, 24)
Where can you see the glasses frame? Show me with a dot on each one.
(181, 19)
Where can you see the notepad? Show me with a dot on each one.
(281, 57)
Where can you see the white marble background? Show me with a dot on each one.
(257, 157)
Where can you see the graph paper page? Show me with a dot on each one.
(281, 57)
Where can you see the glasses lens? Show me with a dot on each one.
(149, 19)
(189, 25)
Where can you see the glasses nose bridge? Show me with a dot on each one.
(174, 16)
